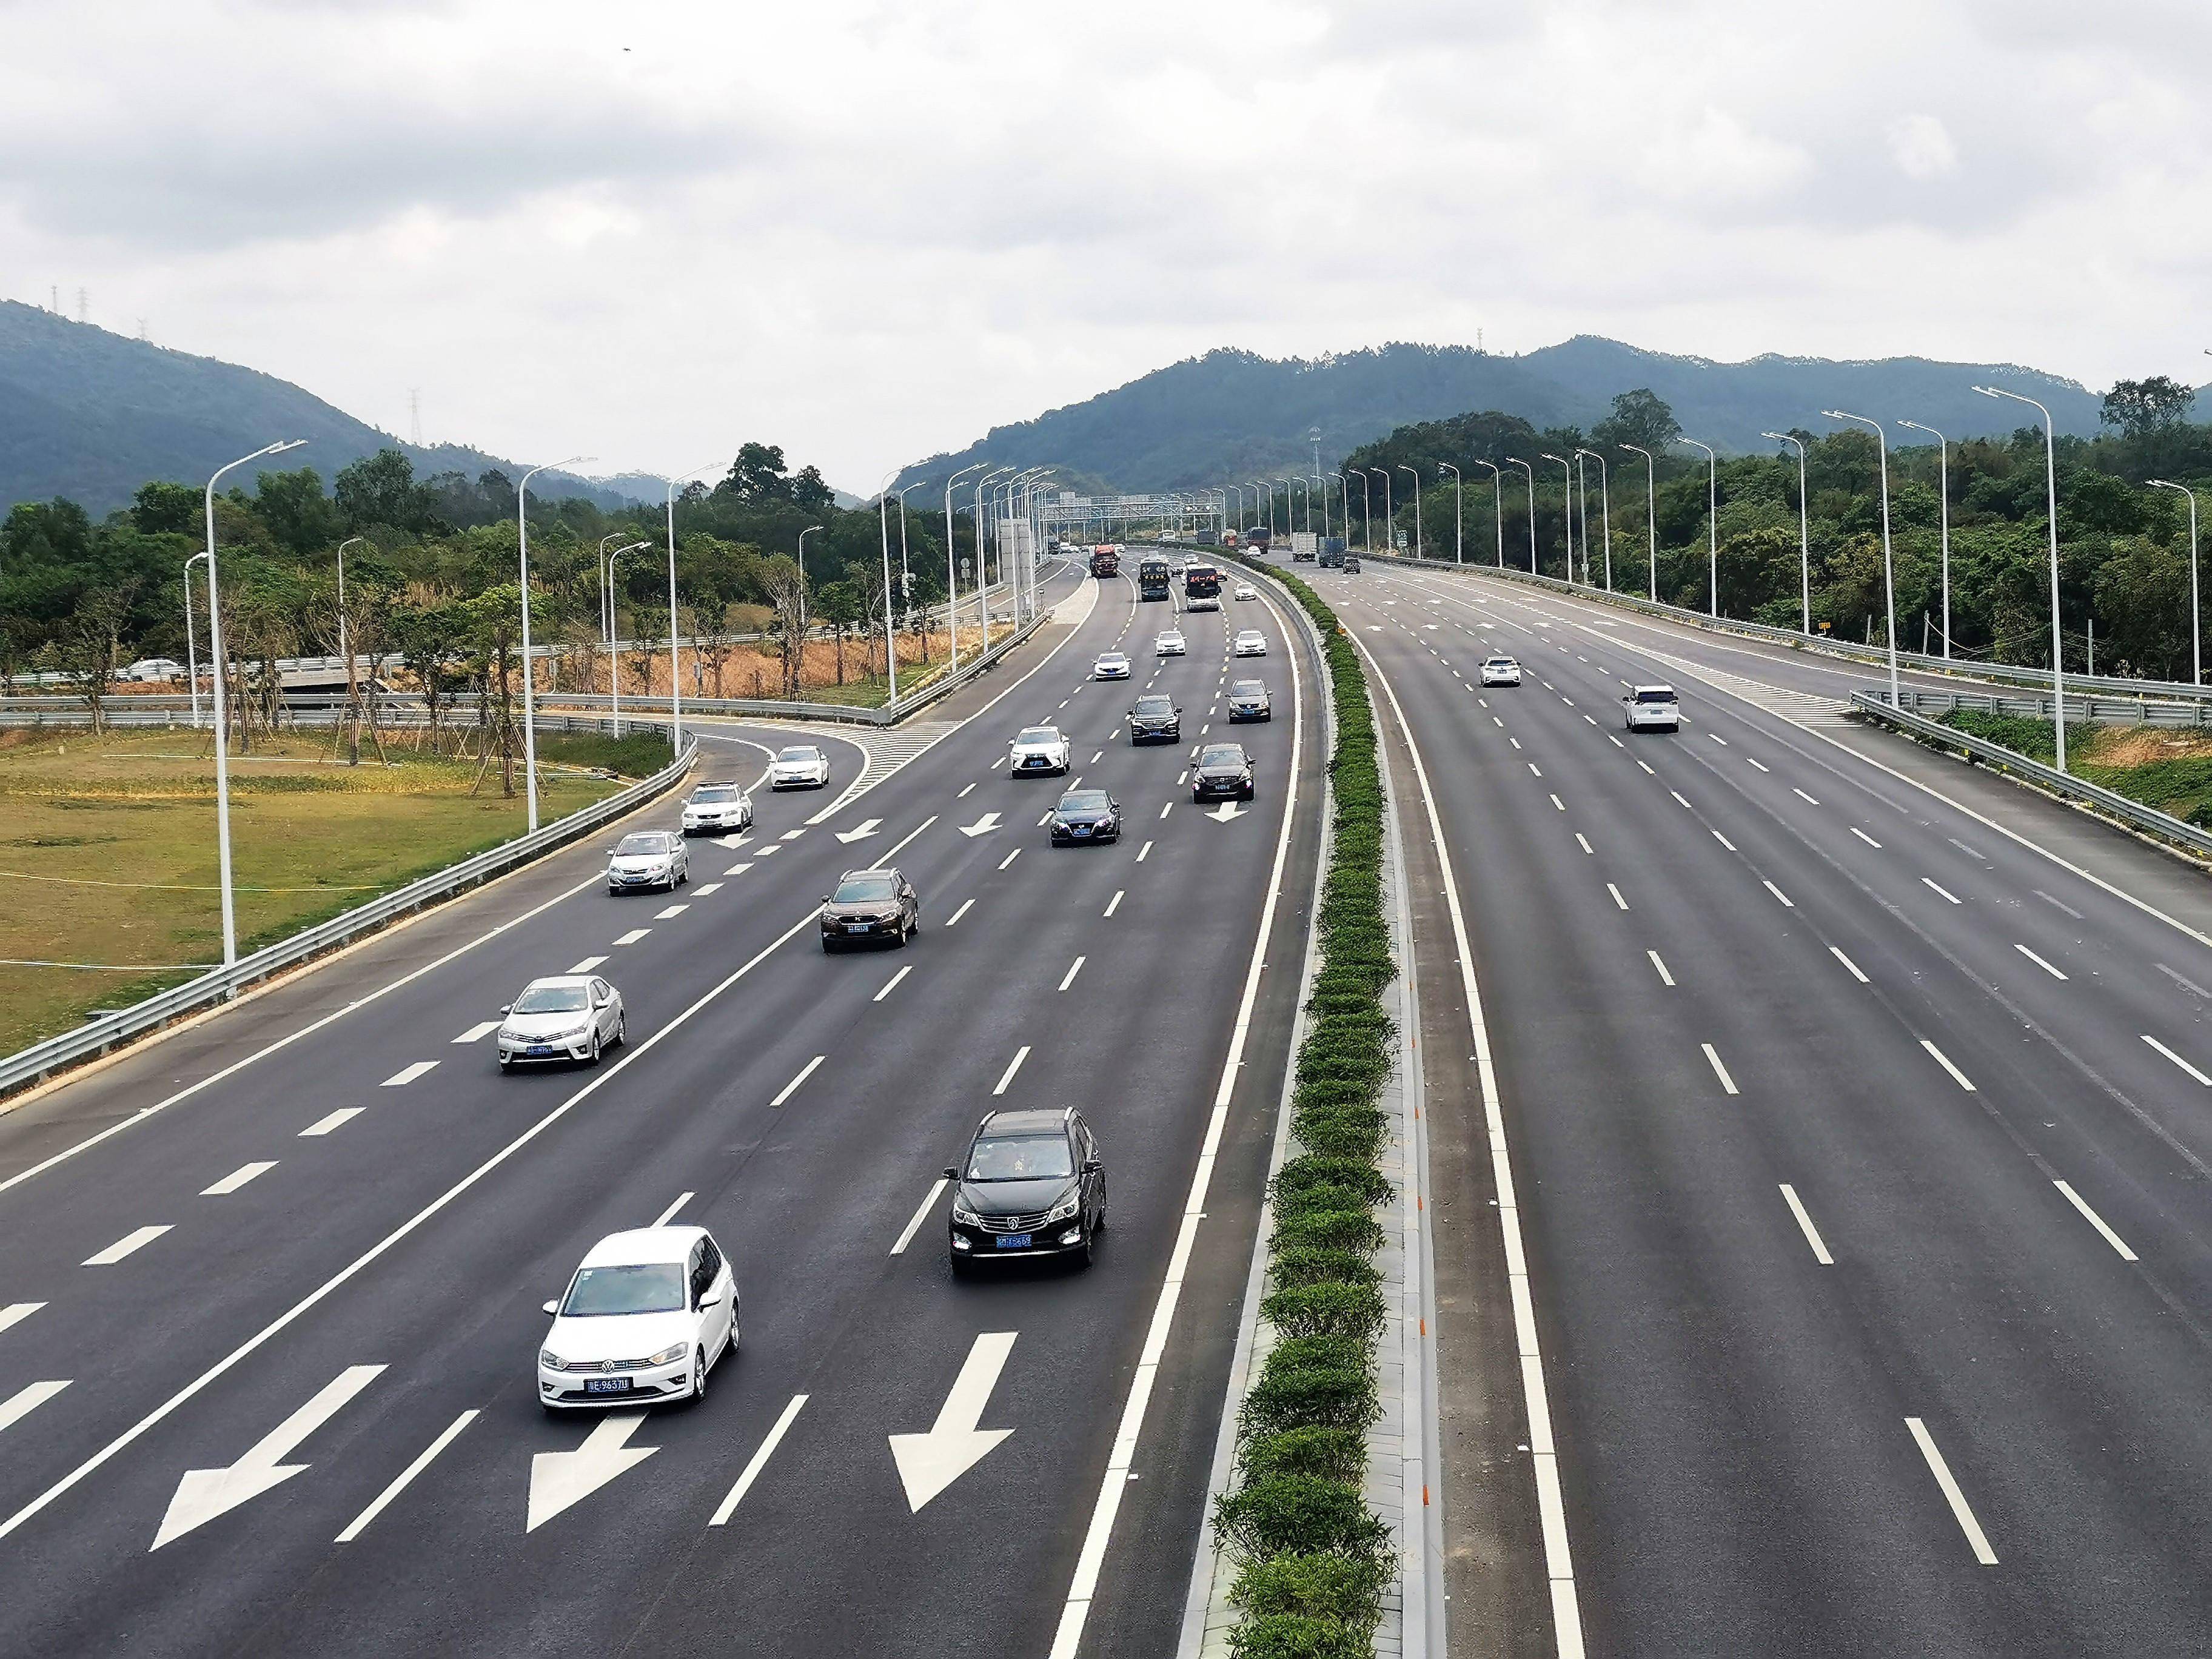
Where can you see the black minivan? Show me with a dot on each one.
(1033, 1185)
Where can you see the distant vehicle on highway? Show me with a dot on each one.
(1500, 671)
(1229, 538)
(1154, 718)
(717, 808)
(870, 907)
(1152, 576)
(1086, 815)
(1038, 751)
(1105, 562)
(1033, 1184)
(1170, 643)
(802, 766)
(1258, 538)
(1351, 564)
(643, 1320)
(1114, 666)
(1652, 708)
(1201, 586)
(153, 671)
(1224, 772)
(565, 1016)
(646, 858)
(1248, 701)
(1246, 590)
(1329, 555)
(1248, 642)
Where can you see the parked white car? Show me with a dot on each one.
(1038, 752)
(1652, 708)
(645, 1317)
(646, 858)
(717, 808)
(1170, 644)
(1114, 666)
(802, 766)
(1249, 643)
(1500, 671)
(565, 1016)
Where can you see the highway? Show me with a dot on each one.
(1861, 1112)
(269, 1288)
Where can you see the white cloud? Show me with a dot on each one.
(1923, 147)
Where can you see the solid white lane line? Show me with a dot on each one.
(323, 1126)
(1583, 843)
(16, 1312)
(477, 1033)
(2039, 962)
(1616, 898)
(710, 889)
(758, 1462)
(669, 1214)
(136, 1239)
(891, 984)
(953, 921)
(21, 1404)
(1852, 967)
(1939, 891)
(668, 913)
(2095, 1220)
(1723, 840)
(1944, 1061)
(921, 1215)
(792, 1087)
(1865, 837)
(401, 1079)
(1777, 893)
(1010, 858)
(2175, 1059)
(1961, 1511)
(1142, 851)
(1803, 796)
(1805, 1223)
(1013, 1067)
(406, 1476)
(1665, 978)
(634, 935)
(1114, 904)
(1719, 1070)
(588, 964)
(238, 1177)
(1069, 978)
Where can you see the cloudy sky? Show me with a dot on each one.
(646, 231)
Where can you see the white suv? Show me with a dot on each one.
(1652, 708)
(1039, 751)
(1500, 671)
(715, 807)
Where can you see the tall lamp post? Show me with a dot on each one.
(1943, 494)
(675, 652)
(890, 632)
(221, 735)
(1605, 511)
(1515, 460)
(1650, 518)
(529, 700)
(1805, 546)
(1389, 511)
(1498, 500)
(1713, 521)
(982, 563)
(2050, 505)
(2195, 638)
(1366, 515)
(1458, 538)
(191, 651)
(1418, 542)
(1566, 508)
(614, 647)
(951, 574)
(906, 575)
(344, 649)
(1889, 566)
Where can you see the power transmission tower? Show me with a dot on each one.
(54, 298)
(415, 415)
(83, 306)
(142, 331)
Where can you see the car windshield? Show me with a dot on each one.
(865, 890)
(1654, 694)
(1025, 1157)
(1221, 754)
(1247, 688)
(642, 847)
(800, 755)
(552, 1000)
(1499, 662)
(1112, 656)
(714, 794)
(1154, 706)
(1084, 800)
(645, 1287)
(1039, 734)
(1248, 635)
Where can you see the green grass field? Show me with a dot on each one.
(107, 850)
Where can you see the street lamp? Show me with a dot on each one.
(343, 651)
(1605, 511)
(905, 574)
(1262, 491)
(529, 701)
(2196, 642)
(1889, 567)
(1459, 540)
(1943, 490)
(1498, 500)
(1805, 544)
(1566, 508)
(191, 654)
(1515, 460)
(1389, 511)
(1366, 514)
(614, 646)
(952, 575)
(982, 580)
(890, 634)
(1416, 476)
(675, 652)
(221, 736)
(2051, 499)
(1713, 522)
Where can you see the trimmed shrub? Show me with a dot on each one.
(1353, 1311)
(1327, 1588)
(1312, 1382)
(1298, 1636)
(1336, 1229)
(1308, 1264)
(1346, 1132)
(1312, 1170)
(1327, 1195)
(1297, 1515)
(1324, 1454)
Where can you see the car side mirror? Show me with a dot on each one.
(712, 1299)
(950, 1173)
(825, 898)
(1092, 1166)
(553, 1307)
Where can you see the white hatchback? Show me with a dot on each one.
(1652, 708)
(1249, 643)
(644, 1319)
(1170, 644)
(1500, 671)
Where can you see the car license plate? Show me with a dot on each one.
(606, 1385)
(1080, 829)
(541, 1048)
(856, 927)
(1014, 1240)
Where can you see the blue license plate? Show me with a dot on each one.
(856, 927)
(606, 1385)
(541, 1048)
(1080, 829)
(1014, 1240)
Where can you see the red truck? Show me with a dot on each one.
(1105, 561)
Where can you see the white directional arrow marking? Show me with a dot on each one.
(558, 1480)
(1223, 813)
(866, 828)
(928, 1463)
(982, 826)
(204, 1494)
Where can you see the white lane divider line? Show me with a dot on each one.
(1850, 967)
(1723, 840)
(792, 1087)
(953, 921)
(758, 1462)
(1535, 771)
(1754, 761)
(588, 964)
(737, 869)
(1556, 802)
(405, 1477)
(892, 983)
(1010, 858)
(792, 835)
(1647, 768)
(1614, 741)
(1515, 741)
(1938, 892)
(1142, 851)
(1616, 898)
(1013, 1067)
(1665, 978)
(1679, 796)
(238, 1177)
(2177, 1059)
(763, 852)
(2054, 972)
(1777, 893)
(1865, 837)
(1719, 738)
(1961, 1510)
(1069, 978)
(136, 1239)
(2095, 1219)
(634, 935)
(1582, 842)
(321, 1126)
(1805, 1225)
(1114, 904)
(1046, 817)
(478, 1032)
(669, 913)
(21, 1403)
(1957, 1076)
(1803, 796)
(921, 1215)
(1719, 1070)
(16, 1312)
(669, 1214)
(401, 1079)
(1167, 809)
(708, 891)
(963, 795)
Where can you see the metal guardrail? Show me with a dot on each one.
(2124, 711)
(2109, 802)
(105, 1031)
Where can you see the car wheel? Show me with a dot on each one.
(828, 947)
(595, 1048)
(698, 1376)
(1086, 1251)
(622, 1028)
(504, 1066)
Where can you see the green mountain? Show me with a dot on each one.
(91, 415)
(1232, 414)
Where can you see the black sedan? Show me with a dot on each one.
(1155, 718)
(870, 907)
(1086, 815)
(1033, 1185)
(1224, 772)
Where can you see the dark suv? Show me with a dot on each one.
(1224, 772)
(1033, 1185)
(1248, 701)
(1155, 718)
(870, 907)
(1086, 815)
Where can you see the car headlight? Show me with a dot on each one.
(669, 1355)
(1066, 1208)
(551, 1361)
(965, 1216)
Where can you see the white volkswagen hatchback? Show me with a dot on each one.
(644, 1319)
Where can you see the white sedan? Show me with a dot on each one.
(1114, 666)
(567, 1017)
(1500, 671)
(644, 1319)
(715, 807)
(646, 858)
(802, 766)
(1251, 643)
(1246, 590)
(1170, 644)
(1038, 752)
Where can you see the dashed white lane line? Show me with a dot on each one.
(321, 1126)
(1583, 843)
(1753, 759)
(1723, 840)
(963, 795)
(401, 1079)
(2095, 1220)
(792, 1087)
(1046, 817)
(1183, 777)
(1616, 898)
(668, 913)
(1850, 967)
(25, 1401)
(953, 921)
(1100, 755)
(1646, 765)
(238, 1177)
(2046, 967)
(1961, 1511)
(405, 1477)
(634, 935)
(737, 869)
(1534, 770)
(1515, 741)
(2060, 904)
(1556, 802)
(16, 1312)
(476, 1033)
(921, 1215)
(792, 835)
(669, 1214)
(1777, 893)
(1720, 1071)
(763, 852)
(136, 1239)
(588, 964)
(1068, 978)
(1805, 1225)
(1679, 796)
(1010, 858)
(1957, 1076)
(1167, 809)
(1865, 837)
(892, 983)
(2177, 1059)
(707, 891)
(1614, 741)
(1114, 904)
(1803, 796)
(1497, 722)
(1013, 1067)
(1719, 738)
(757, 1462)
(1940, 892)
(1665, 978)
